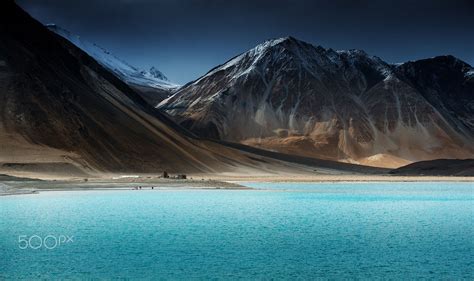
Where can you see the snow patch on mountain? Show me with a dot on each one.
(130, 74)
(470, 73)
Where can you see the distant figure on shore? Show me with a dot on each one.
(165, 175)
(152, 187)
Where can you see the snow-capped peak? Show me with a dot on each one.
(292, 50)
(153, 72)
(130, 74)
(256, 53)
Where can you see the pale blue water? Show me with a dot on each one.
(306, 231)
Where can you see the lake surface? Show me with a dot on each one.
(284, 231)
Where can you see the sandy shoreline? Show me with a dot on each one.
(213, 182)
(35, 186)
(349, 179)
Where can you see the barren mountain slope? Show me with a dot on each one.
(293, 97)
(58, 105)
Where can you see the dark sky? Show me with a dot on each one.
(186, 38)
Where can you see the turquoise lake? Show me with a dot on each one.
(282, 231)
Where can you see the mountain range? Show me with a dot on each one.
(152, 84)
(289, 96)
(64, 114)
(286, 106)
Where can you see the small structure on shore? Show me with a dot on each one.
(165, 175)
